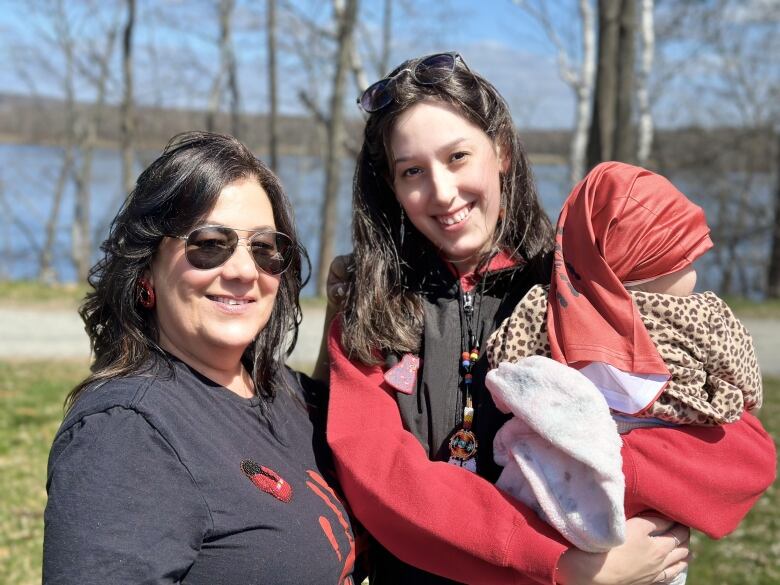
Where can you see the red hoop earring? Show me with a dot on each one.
(145, 293)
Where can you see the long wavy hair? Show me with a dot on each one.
(172, 196)
(383, 306)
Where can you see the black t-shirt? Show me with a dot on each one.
(171, 478)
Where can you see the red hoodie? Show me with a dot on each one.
(448, 521)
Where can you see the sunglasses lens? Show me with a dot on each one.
(272, 252)
(435, 68)
(209, 247)
(376, 97)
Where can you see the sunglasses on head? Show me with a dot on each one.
(210, 246)
(429, 70)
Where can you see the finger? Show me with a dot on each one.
(654, 525)
(671, 572)
(677, 538)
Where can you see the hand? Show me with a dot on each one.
(338, 277)
(656, 550)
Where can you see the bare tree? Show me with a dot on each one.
(579, 77)
(645, 134)
(387, 38)
(227, 68)
(96, 68)
(773, 271)
(731, 96)
(64, 39)
(612, 135)
(273, 130)
(127, 115)
(346, 15)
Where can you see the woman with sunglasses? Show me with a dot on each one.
(191, 454)
(448, 236)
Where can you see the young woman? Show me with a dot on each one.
(189, 455)
(448, 237)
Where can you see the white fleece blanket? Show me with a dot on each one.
(561, 451)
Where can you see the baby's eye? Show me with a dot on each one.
(459, 156)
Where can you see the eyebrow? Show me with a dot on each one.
(445, 147)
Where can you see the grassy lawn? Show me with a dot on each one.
(31, 395)
(68, 296)
(32, 294)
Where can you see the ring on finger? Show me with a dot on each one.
(663, 576)
(676, 541)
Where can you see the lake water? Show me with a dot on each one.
(28, 175)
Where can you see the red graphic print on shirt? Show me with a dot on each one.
(320, 487)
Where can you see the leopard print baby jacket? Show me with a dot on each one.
(709, 353)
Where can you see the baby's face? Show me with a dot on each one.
(679, 284)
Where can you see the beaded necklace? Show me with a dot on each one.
(463, 444)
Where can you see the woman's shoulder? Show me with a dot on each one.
(132, 392)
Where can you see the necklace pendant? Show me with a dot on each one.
(463, 449)
(468, 303)
(463, 444)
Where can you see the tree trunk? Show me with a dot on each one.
(773, 273)
(227, 7)
(46, 272)
(643, 92)
(625, 134)
(584, 93)
(335, 138)
(81, 240)
(127, 137)
(81, 230)
(273, 129)
(387, 36)
(611, 131)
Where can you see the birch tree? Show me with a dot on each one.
(576, 70)
(647, 50)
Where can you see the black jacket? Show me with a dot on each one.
(435, 410)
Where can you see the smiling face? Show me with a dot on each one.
(202, 314)
(446, 177)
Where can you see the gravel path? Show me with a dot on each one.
(51, 334)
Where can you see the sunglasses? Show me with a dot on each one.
(429, 70)
(209, 246)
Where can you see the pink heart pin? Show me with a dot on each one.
(403, 375)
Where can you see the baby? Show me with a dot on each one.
(643, 351)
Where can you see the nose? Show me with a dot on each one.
(443, 186)
(241, 266)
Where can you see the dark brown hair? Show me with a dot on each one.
(383, 309)
(173, 195)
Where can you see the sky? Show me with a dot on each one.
(177, 57)
(493, 37)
